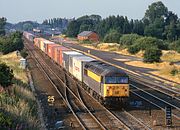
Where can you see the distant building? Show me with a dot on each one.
(88, 35)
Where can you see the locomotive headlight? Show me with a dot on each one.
(107, 87)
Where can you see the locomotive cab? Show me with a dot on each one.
(106, 82)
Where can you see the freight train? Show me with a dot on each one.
(108, 84)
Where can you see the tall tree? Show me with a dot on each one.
(2, 26)
(138, 27)
(155, 10)
(155, 29)
(171, 17)
(73, 28)
(170, 32)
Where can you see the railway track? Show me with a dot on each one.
(161, 100)
(160, 84)
(138, 124)
(130, 124)
(175, 94)
(161, 105)
(161, 87)
(108, 118)
(154, 93)
(86, 122)
(83, 115)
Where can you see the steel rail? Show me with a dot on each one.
(146, 127)
(64, 99)
(102, 127)
(156, 98)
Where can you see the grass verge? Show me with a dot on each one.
(18, 108)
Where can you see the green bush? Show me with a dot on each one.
(133, 49)
(152, 54)
(5, 120)
(24, 53)
(174, 71)
(11, 43)
(128, 39)
(175, 46)
(6, 75)
(112, 37)
(146, 42)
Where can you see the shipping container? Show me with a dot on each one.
(37, 42)
(71, 62)
(41, 44)
(66, 58)
(58, 56)
(51, 49)
(45, 44)
(78, 66)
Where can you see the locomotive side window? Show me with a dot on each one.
(116, 80)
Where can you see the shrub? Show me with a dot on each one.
(174, 71)
(24, 53)
(175, 46)
(11, 43)
(152, 54)
(146, 42)
(128, 39)
(6, 75)
(112, 37)
(5, 120)
(133, 49)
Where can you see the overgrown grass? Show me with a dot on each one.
(164, 69)
(170, 56)
(13, 61)
(178, 86)
(19, 104)
(108, 46)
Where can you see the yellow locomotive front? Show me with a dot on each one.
(116, 86)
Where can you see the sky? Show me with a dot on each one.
(38, 10)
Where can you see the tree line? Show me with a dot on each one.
(157, 22)
(158, 29)
(8, 43)
(56, 22)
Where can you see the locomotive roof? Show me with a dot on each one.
(103, 69)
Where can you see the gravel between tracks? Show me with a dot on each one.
(43, 89)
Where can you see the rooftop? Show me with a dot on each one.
(85, 33)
